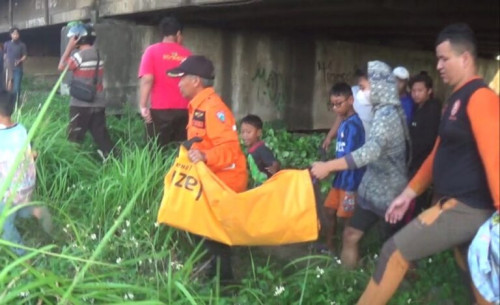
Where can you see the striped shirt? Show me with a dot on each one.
(83, 64)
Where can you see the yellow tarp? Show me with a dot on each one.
(280, 211)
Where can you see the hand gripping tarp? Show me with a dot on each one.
(280, 211)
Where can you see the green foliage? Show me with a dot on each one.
(106, 248)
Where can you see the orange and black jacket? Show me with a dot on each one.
(212, 121)
(464, 163)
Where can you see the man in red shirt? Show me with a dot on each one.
(167, 116)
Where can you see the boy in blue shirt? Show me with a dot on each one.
(260, 158)
(12, 139)
(341, 199)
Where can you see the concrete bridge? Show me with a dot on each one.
(275, 58)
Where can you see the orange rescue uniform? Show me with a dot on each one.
(212, 121)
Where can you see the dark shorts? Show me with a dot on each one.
(169, 125)
(364, 219)
(447, 224)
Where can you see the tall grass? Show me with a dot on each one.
(106, 248)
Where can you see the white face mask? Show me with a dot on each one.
(363, 97)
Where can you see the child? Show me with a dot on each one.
(341, 199)
(12, 139)
(261, 160)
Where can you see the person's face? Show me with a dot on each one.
(450, 65)
(187, 86)
(420, 93)
(341, 104)
(363, 83)
(14, 35)
(401, 83)
(250, 134)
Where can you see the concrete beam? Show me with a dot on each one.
(67, 16)
(121, 7)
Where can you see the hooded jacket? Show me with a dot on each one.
(384, 151)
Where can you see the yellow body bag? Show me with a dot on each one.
(280, 211)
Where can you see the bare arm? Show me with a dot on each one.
(332, 132)
(146, 83)
(67, 53)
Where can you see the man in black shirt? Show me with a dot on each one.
(423, 133)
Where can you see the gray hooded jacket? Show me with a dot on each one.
(384, 151)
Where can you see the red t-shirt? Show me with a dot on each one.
(157, 60)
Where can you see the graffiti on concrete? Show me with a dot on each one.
(270, 87)
(40, 4)
(330, 75)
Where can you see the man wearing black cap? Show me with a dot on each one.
(212, 121)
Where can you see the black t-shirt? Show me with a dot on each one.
(262, 156)
(423, 132)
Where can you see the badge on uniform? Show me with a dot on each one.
(199, 119)
(221, 116)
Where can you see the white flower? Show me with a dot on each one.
(319, 272)
(119, 208)
(147, 211)
(128, 296)
(93, 236)
(278, 290)
(176, 265)
(409, 301)
(124, 231)
(119, 260)
(24, 294)
(127, 223)
(375, 256)
(157, 225)
(140, 263)
(67, 226)
(430, 260)
(65, 230)
(349, 289)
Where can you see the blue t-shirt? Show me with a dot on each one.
(350, 136)
(408, 107)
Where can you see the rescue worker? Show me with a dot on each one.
(212, 121)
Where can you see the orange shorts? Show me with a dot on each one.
(335, 200)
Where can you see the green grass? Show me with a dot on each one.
(106, 248)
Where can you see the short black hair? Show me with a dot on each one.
(7, 102)
(422, 77)
(170, 26)
(13, 29)
(358, 73)
(253, 120)
(341, 89)
(460, 36)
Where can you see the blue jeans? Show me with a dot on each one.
(9, 231)
(17, 77)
